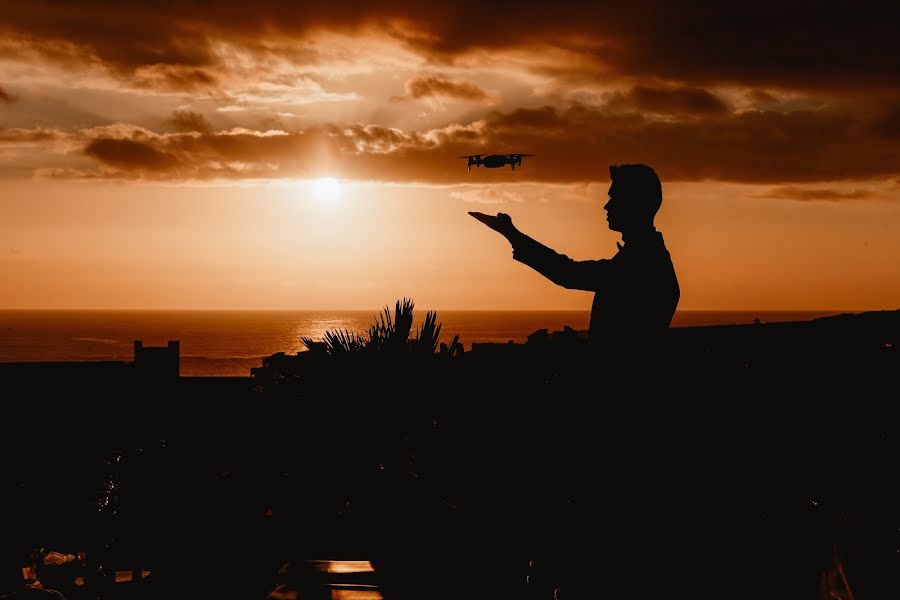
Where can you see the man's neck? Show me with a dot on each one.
(636, 235)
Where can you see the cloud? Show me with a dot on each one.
(573, 143)
(752, 146)
(677, 100)
(818, 193)
(801, 44)
(434, 86)
(131, 155)
(25, 46)
(296, 92)
(175, 77)
(6, 96)
(229, 154)
(374, 139)
(186, 121)
(24, 135)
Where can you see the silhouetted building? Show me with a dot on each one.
(541, 340)
(279, 365)
(157, 362)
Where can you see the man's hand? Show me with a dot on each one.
(502, 223)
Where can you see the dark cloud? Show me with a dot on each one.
(887, 123)
(816, 193)
(6, 96)
(803, 44)
(131, 155)
(125, 34)
(428, 86)
(186, 121)
(239, 153)
(748, 146)
(682, 100)
(546, 120)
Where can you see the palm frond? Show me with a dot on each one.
(452, 350)
(313, 346)
(429, 336)
(343, 341)
(389, 331)
(403, 321)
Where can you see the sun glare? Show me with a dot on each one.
(327, 189)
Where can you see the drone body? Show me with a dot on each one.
(493, 161)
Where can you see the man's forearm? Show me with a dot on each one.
(558, 268)
(516, 238)
(539, 257)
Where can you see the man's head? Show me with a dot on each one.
(634, 197)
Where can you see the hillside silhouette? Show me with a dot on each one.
(482, 469)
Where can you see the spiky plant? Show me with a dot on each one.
(312, 345)
(428, 337)
(452, 350)
(336, 341)
(343, 341)
(389, 332)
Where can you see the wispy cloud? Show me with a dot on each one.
(433, 86)
(487, 195)
(812, 194)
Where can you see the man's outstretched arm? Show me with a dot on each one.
(560, 269)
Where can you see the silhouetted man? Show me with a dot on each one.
(636, 290)
(613, 472)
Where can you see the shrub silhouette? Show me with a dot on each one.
(388, 333)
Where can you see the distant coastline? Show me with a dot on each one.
(227, 343)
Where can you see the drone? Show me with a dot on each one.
(492, 161)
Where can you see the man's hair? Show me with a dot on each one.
(641, 183)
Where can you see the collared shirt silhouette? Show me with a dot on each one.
(636, 291)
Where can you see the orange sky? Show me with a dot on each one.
(157, 156)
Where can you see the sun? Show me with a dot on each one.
(327, 189)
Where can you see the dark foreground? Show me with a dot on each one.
(756, 461)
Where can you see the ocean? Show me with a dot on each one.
(230, 343)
